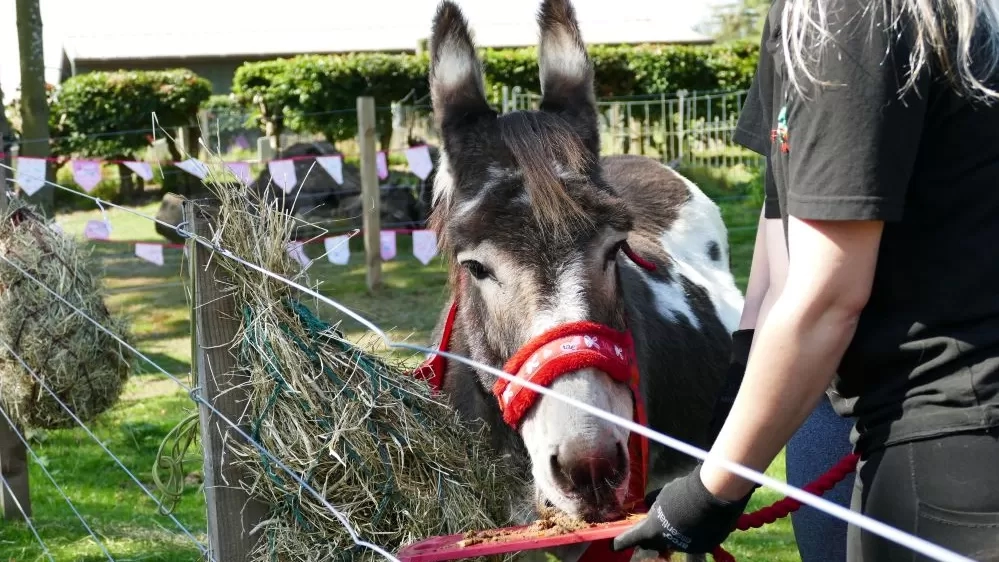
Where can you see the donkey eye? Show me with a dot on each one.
(477, 270)
(612, 253)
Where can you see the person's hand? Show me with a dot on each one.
(685, 517)
(742, 340)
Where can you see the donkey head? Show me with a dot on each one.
(534, 234)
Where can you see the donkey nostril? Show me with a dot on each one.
(555, 466)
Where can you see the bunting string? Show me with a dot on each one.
(30, 175)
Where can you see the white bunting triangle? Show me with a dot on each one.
(338, 249)
(152, 253)
(388, 244)
(297, 252)
(142, 169)
(333, 166)
(381, 164)
(97, 230)
(419, 161)
(86, 173)
(424, 245)
(195, 167)
(30, 174)
(241, 170)
(283, 174)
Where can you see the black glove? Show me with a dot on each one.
(685, 517)
(742, 340)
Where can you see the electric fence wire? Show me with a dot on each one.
(27, 520)
(79, 422)
(52, 479)
(914, 543)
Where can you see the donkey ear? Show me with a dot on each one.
(566, 70)
(457, 89)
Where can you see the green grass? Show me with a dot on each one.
(155, 301)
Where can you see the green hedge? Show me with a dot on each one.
(119, 105)
(318, 93)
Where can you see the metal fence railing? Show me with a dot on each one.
(693, 128)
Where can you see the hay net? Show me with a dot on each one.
(83, 365)
(361, 431)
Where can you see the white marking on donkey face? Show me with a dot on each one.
(569, 302)
(698, 225)
(553, 425)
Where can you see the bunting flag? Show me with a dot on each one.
(419, 161)
(424, 245)
(333, 166)
(152, 253)
(388, 244)
(241, 170)
(86, 173)
(30, 174)
(297, 252)
(283, 174)
(338, 249)
(97, 230)
(142, 169)
(195, 167)
(381, 164)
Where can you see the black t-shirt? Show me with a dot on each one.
(925, 357)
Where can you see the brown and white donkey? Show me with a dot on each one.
(554, 248)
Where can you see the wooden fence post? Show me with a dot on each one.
(13, 454)
(232, 513)
(3, 181)
(370, 191)
(14, 468)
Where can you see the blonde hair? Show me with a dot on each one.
(944, 34)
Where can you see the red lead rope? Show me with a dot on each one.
(783, 507)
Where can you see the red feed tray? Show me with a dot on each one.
(437, 549)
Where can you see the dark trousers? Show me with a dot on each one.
(943, 490)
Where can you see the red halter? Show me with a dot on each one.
(565, 349)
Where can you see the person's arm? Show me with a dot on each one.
(797, 350)
(759, 279)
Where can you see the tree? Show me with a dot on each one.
(5, 151)
(738, 20)
(34, 101)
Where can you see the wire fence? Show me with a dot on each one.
(914, 543)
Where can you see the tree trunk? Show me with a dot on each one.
(5, 146)
(34, 103)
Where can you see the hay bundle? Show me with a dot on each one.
(83, 365)
(361, 431)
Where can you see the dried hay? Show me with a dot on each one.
(83, 365)
(361, 431)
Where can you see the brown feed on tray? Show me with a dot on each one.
(551, 523)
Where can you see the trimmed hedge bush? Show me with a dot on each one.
(119, 105)
(318, 93)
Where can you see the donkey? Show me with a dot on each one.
(540, 231)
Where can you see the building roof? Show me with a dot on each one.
(218, 29)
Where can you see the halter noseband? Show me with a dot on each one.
(565, 349)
